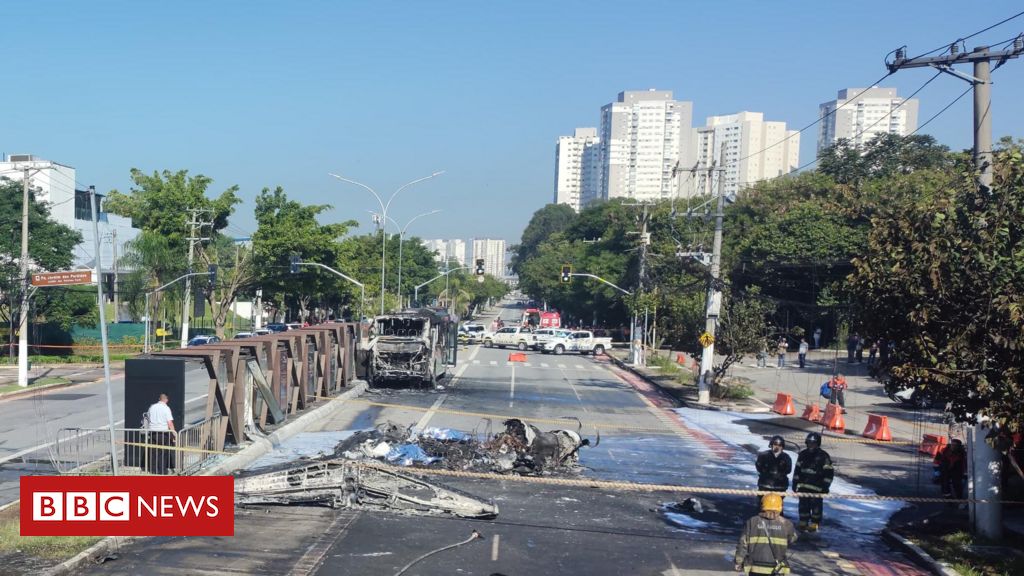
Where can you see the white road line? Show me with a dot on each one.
(476, 361)
(543, 365)
(430, 413)
(494, 547)
(561, 366)
(494, 362)
(512, 387)
(527, 364)
(579, 367)
(21, 453)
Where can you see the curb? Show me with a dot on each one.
(916, 553)
(243, 458)
(30, 390)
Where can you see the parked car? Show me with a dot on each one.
(295, 325)
(519, 336)
(203, 339)
(471, 333)
(915, 396)
(277, 327)
(582, 341)
(542, 336)
(243, 335)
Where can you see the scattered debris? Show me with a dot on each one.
(521, 449)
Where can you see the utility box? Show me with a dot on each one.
(145, 379)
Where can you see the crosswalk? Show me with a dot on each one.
(560, 366)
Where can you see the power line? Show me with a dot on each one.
(968, 37)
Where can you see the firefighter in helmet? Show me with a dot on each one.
(813, 474)
(773, 466)
(765, 540)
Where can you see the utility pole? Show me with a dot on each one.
(985, 464)
(27, 173)
(103, 326)
(194, 236)
(636, 352)
(113, 247)
(714, 301)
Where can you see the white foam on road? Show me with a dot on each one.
(864, 516)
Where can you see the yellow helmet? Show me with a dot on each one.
(771, 503)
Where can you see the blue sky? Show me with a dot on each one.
(260, 93)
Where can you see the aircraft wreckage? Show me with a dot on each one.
(352, 477)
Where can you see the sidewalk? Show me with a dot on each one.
(52, 376)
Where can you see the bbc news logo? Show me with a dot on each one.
(127, 506)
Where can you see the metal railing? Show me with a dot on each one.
(86, 451)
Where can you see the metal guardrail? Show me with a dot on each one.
(86, 451)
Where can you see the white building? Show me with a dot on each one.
(70, 205)
(454, 249)
(866, 117)
(644, 135)
(747, 147)
(493, 253)
(577, 168)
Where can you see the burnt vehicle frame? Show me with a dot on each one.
(414, 346)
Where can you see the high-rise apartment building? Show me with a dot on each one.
(873, 111)
(577, 168)
(747, 148)
(644, 135)
(493, 253)
(450, 250)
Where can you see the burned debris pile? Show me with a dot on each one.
(520, 449)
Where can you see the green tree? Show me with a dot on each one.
(550, 219)
(943, 276)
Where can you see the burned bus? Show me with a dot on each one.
(414, 347)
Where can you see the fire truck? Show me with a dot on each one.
(541, 319)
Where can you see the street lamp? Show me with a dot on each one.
(401, 239)
(384, 215)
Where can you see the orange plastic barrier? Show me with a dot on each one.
(812, 413)
(784, 404)
(517, 357)
(681, 359)
(932, 443)
(878, 428)
(833, 419)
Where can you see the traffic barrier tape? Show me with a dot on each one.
(79, 346)
(643, 487)
(175, 448)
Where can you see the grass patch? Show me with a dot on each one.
(668, 367)
(732, 389)
(50, 548)
(49, 380)
(72, 358)
(970, 555)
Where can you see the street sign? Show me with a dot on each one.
(65, 278)
(706, 339)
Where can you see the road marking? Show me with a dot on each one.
(494, 547)
(476, 361)
(21, 453)
(512, 387)
(527, 364)
(314, 555)
(561, 366)
(580, 367)
(543, 365)
(430, 413)
(494, 362)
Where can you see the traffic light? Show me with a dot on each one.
(294, 269)
(212, 271)
(566, 273)
(479, 266)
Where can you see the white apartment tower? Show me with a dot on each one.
(747, 147)
(493, 253)
(447, 250)
(644, 135)
(873, 111)
(577, 168)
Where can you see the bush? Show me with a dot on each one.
(732, 389)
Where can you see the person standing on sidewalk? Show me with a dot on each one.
(773, 467)
(837, 387)
(952, 464)
(817, 338)
(802, 352)
(860, 349)
(851, 347)
(160, 423)
(762, 356)
(873, 352)
(781, 350)
(813, 474)
(765, 540)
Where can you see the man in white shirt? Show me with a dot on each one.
(162, 432)
(802, 352)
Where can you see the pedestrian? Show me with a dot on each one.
(952, 464)
(860, 349)
(762, 356)
(873, 352)
(817, 338)
(773, 467)
(837, 391)
(160, 423)
(782, 352)
(813, 474)
(802, 352)
(765, 540)
(851, 347)
(883, 352)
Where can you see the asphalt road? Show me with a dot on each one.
(29, 425)
(540, 529)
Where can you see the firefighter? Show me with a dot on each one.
(773, 466)
(765, 540)
(814, 474)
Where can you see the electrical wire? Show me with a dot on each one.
(969, 36)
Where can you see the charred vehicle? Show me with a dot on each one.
(412, 347)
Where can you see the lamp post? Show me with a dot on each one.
(401, 239)
(384, 215)
(416, 290)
